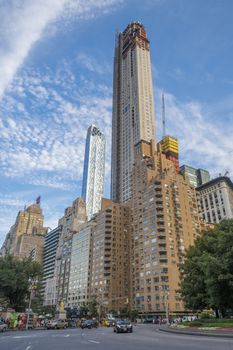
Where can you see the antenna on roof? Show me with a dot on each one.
(163, 116)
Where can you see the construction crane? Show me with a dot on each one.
(226, 173)
(163, 116)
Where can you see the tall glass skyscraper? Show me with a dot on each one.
(93, 172)
(133, 117)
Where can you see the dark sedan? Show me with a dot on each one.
(123, 326)
(89, 324)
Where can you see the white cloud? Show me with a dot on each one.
(8, 200)
(94, 65)
(48, 150)
(23, 23)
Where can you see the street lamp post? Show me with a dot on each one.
(165, 294)
(32, 283)
(100, 301)
(99, 311)
(167, 307)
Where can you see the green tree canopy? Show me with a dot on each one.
(14, 280)
(207, 272)
(93, 308)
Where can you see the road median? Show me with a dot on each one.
(196, 331)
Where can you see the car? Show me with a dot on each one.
(3, 326)
(123, 326)
(148, 320)
(57, 324)
(89, 324)
(110, 322)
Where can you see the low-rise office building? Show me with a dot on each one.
(216, 200)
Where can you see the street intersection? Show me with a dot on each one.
(144, 337)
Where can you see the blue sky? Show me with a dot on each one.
(56, 79)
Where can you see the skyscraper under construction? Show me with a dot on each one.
(133, 116)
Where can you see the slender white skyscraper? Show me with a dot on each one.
(93, 172)
(133, 106)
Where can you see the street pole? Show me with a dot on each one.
(29, 307)
(99, 311)
(33, 283)
(167, 309)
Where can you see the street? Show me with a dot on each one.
(144, 337)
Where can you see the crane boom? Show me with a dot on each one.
(163, 116)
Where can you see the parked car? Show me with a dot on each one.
(89, 324)
(3, 326)
(148, 320)
(123, 326)
(57, 324)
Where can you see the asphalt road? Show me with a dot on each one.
(144, 337)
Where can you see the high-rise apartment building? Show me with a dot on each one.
(26, 236)
(110, 263)
(93, 172)
(216, 199)
(80, 270)
(196, 177)
(74, 216)
(50, 248)
(133, 116)
(165, 223)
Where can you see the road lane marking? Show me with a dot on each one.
(28, 347)
(67, 335)
(93, 341)
(23, 336)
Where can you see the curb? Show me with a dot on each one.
(205, 334)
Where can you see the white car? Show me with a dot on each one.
(3, 326)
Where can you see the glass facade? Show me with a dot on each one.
(50, 247)
(196, 177)
(203, 176)
(79, 268)
(93, 173)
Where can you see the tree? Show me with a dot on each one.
(14, 280)
(133, 315)
(207, 272)
(84, 309)
(113, 312)
(46, 310)
(92, 308)
(125, 312)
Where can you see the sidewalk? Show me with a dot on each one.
(226, 333)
